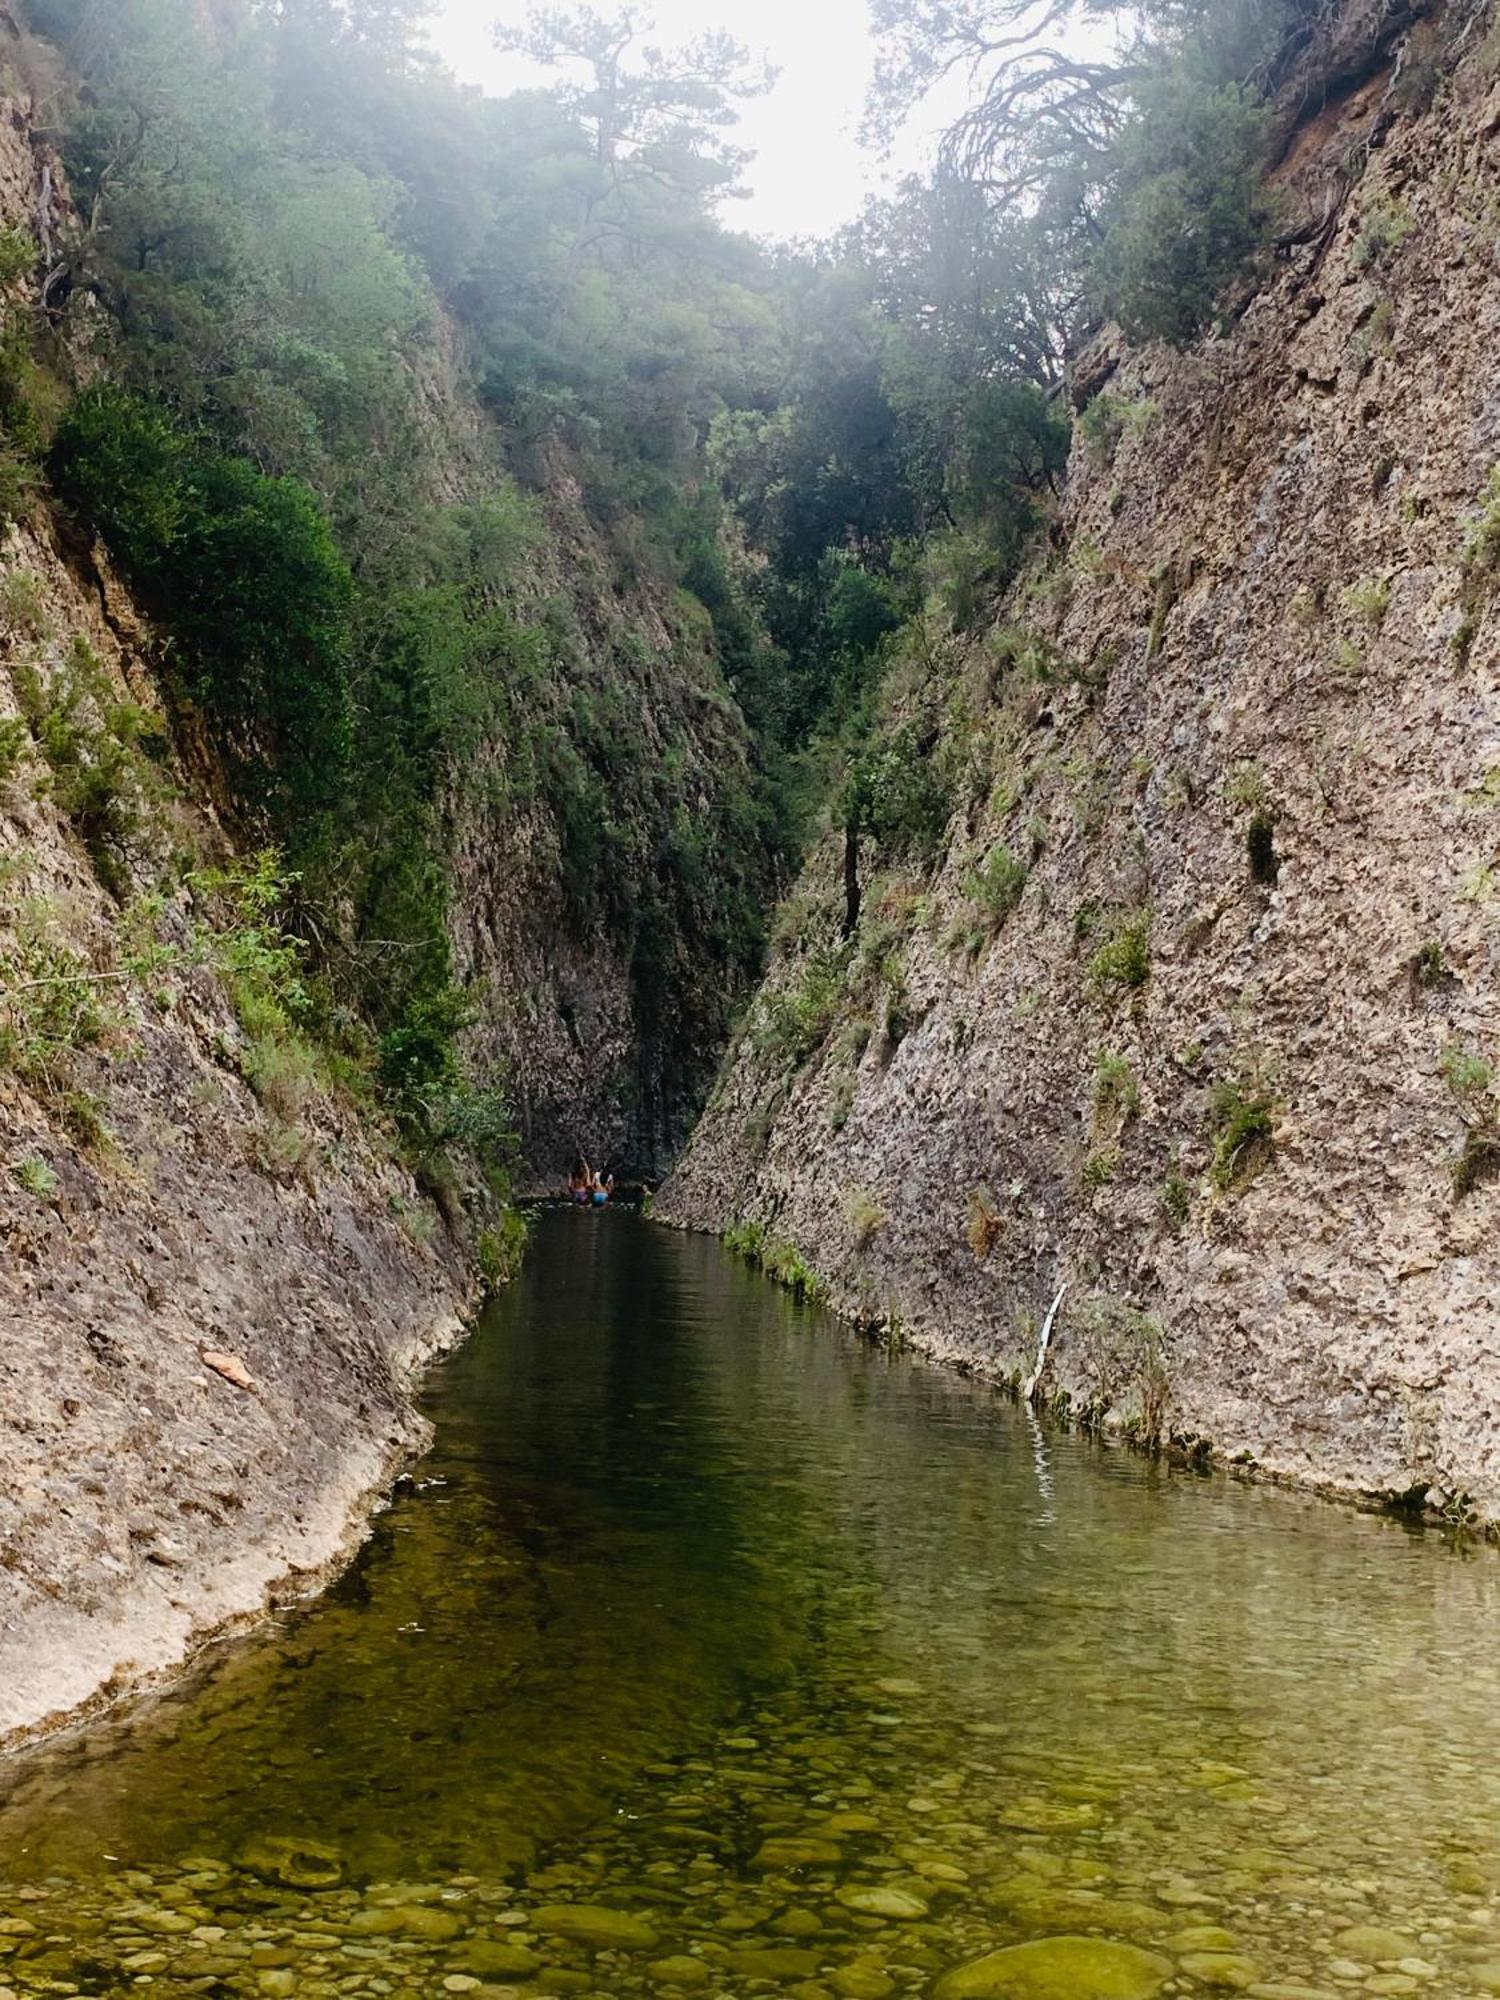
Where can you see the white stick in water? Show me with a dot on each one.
(1041, 1353)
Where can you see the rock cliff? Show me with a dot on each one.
(1196, 1013)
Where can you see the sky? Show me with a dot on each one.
(810, 174)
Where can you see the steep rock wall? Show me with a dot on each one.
(153, 1209)
(1243, 736)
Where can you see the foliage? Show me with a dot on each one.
(54, 1005)
(996, 886)
(1242, 1124)
(1369, 599)
(795, 1017)
(1123, 962)
(1116, 1092)
(1108, 418)
(1122, 1352)
(500, 1248)
(36, 1177)
(246, 572)
(865, 1214)
(1384, 227)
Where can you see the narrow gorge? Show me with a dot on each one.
(956, 757)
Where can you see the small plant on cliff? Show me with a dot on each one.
(1108, 419)
(1246, 786)
(53, 1004)
(1099, 1169)
(1176, 1199)
(36, 1178)
(745, 1239)
(1121, 1351)
(996, 885)
(499, 1249)
(1384, 227)
(1369, 599)
(1117, 1094)
(1123, 964)
(1480, 565)
(1242, 1124)
(1469, 1078)
(865, 1214)
(785, 1265)
(795, 1018)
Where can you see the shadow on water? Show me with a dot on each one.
(688, 1569)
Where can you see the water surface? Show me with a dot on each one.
(820, 1669)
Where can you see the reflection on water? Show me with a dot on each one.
(712, 1650)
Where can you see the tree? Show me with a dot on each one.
(655, 115)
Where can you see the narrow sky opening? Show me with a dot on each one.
(810, 174)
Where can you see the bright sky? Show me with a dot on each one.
(809, 174)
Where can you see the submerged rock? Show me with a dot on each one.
(879, 1902)
(594, 1925)
(291, 1862)
(1058, 1968)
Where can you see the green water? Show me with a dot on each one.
(824, 1672)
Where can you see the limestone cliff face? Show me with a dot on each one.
(155, 1209)
(1221, 1070)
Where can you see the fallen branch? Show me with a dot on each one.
(1029, 1391)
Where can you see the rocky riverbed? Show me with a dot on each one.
(848, 1856)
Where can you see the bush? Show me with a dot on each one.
(1193, 215)
(245, 571)
(865, 1214)
(996, 886)
(1117, 1094)
(1384, 227)
(499, 1250)
(36, 1177)
(1242, 1122)
(1369, 599)
(795, 1018)
(1108, 418)
(1123, 964)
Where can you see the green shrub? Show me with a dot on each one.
(36, 1177)
(996, 885)
(15, 742)
(1117, 1094)
(245, 571)
(865, 1214)
(1099, 1169)
(1176, 1199)
(1123, 964)
(499, 1249)
(101, 755)
(1194, 212)
(1369, 599)
(785, 1265)
(745, 1239)
(1384, 227)
(1242, 1124)
(795, 1018)
(1468, 1076)
(53, 1005)
(1108, 418)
